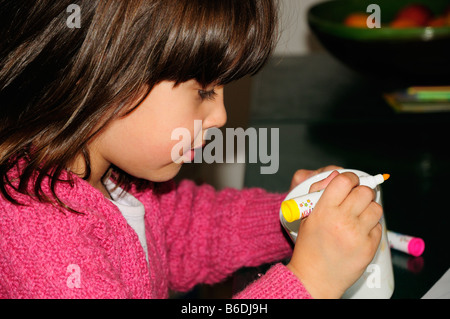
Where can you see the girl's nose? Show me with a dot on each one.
(217, 116)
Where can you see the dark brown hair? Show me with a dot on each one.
(60, 86)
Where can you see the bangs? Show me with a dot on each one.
(217, 41)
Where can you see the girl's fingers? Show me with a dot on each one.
(339, 188)
(375, 235)
(370, 218)
(317, 186)
(358, 200)
(301, 176)
(329, 168)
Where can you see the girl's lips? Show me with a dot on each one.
(190, 154)
(195, 149)
(200, 146)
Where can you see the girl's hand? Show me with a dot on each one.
(303, 174)
(339, 239)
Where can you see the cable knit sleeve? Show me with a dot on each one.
(278, 283)
(210, 234)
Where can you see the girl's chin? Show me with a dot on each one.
(164, 174)
(158, 174)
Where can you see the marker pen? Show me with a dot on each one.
(407, 244)
(300, 207)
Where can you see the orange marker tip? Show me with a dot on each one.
(386, 176)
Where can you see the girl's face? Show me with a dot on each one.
(141, 143)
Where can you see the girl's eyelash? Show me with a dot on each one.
(207, 95)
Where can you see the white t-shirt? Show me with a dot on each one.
(132, 209)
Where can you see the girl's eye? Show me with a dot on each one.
(207, 95)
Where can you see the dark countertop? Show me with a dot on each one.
(328, 114)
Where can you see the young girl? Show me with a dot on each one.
(88, 208)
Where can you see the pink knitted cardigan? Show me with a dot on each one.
(194, 234)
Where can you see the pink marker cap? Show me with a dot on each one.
(416, 246)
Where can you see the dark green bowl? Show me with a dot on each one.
(410, 56)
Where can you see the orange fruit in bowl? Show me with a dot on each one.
(437, 22)
(441, 20)
(404, 23)
(356, 20)
(447, 16)
(418, 13)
